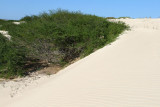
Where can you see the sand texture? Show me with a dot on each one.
(125, 73)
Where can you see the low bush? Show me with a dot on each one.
(60, 36)
(12, 58)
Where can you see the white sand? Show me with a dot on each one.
(17, 23)
(5, 33)
(123, 74)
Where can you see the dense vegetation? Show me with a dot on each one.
(12, 58)
(57, 37)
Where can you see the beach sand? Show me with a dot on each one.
(125, 73)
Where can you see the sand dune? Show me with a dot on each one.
(123, 74)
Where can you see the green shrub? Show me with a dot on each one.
(12, 58)
(61, 36)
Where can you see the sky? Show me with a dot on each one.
(16, 9)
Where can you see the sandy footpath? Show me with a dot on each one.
(123, 74)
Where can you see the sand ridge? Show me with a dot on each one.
(123, 74)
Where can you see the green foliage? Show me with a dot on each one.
(61, 36)
(29, 18)
(12, 58)
(5, 22)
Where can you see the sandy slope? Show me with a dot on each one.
(123, 74)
